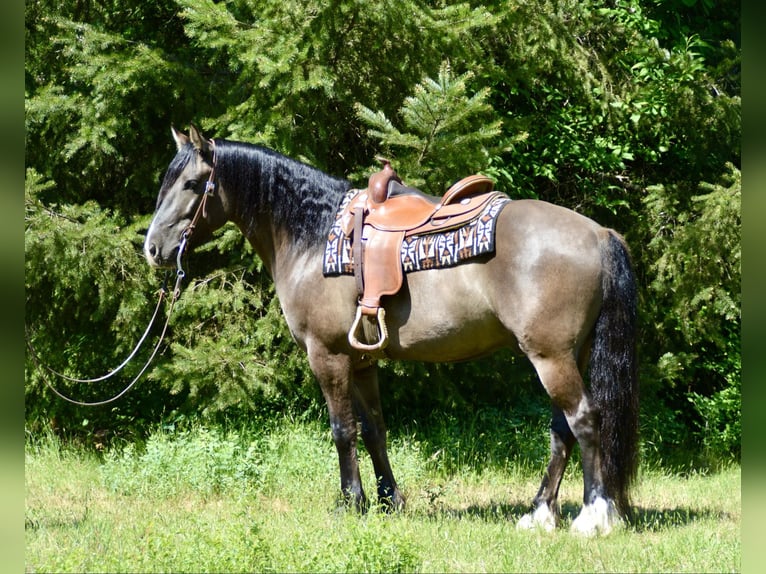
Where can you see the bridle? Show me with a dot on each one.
(201, 208)
(162, 295)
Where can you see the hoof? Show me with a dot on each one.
(599, 518)
(541, 519)
(351, 503)
(392, 503)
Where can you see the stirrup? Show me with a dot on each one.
(357, 326)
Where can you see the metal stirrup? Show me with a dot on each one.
(356, 327)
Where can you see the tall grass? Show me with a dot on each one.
(247, 500)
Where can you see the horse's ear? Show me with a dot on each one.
(200, 143)
(181, 139)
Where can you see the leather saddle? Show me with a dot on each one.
(379, 218)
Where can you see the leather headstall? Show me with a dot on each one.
(202, 207)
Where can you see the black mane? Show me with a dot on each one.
(300, 198)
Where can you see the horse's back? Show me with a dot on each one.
(541, 290)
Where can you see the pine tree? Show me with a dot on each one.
(590, 105)
(449, 134)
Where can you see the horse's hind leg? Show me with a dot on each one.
(563, 382)
(367, 402)
(546, 508)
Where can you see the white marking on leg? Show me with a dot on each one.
(601, 517)
(542, 518)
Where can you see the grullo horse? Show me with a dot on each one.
(559, 287)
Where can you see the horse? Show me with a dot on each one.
(559, 288)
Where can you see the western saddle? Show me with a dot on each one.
(378, 219)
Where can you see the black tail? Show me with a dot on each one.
(614, 372)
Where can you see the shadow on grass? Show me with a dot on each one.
(642, 519)
(657, 519)
(498, 511)
(493, 512)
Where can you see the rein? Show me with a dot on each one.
(180, 274)
(162, 296)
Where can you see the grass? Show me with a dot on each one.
(244, 501)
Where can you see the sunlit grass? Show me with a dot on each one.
(205, 500)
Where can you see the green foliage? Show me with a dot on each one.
(98, 78)
(88, 300)
(549, 64)
(721, 419)
(698, 257)
(695, 302)
(88, 286)
(604, 108)
(205, 462)
(681, 121)
(489, 438)
(232, 352)
(292, 71)
(448, 135)
(619, 110)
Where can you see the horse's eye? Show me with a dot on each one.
(190, 184)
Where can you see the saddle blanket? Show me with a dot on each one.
(428, 251)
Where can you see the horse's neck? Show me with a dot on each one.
(277, 248)
(279, 252)
(282, 206)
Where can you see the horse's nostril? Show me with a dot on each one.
(152, 250)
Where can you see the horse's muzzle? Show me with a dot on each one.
(155, 257)
(151, 253)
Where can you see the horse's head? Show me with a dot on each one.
(188, 206)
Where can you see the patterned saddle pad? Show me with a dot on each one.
(428, 251)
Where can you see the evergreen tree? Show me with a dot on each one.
(449, 134)
(619, 110)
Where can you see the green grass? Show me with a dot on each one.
(205, 500)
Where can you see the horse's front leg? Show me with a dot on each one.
(367, 402)
(334, 373)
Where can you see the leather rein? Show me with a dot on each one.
(162, 295)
